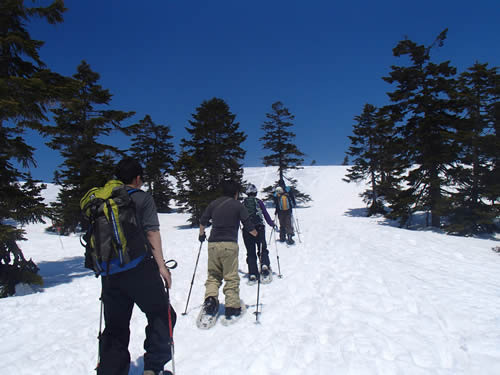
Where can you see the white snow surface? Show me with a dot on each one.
(358, 296)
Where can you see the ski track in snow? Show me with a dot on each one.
(356, 297)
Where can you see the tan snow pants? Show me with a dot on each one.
(223, 265)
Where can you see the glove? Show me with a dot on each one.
(202, 237)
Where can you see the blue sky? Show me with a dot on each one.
(322, 59)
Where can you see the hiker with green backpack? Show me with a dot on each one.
(123, 246)
(258, 213)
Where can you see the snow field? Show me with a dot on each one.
(357, 296)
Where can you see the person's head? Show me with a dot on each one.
(128, 169)
(251, 190)
(230, 188)
(279, 190)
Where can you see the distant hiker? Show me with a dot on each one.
(284, 202)
(258, 213)
(142, 282)
(225, 213)
(288, 191)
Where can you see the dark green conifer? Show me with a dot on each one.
(422, 100)
(27, 88)
(474, 202)
(371, 142)
(212, 154)
(152, 146)
(278, 139)
(81, 124)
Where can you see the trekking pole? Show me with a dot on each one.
(296, 228)
(277, 256)
(192, 280)
(60, 241)
(271, 235)
(171, 331)
(276, 246)
(297, 220)
(171, 264)
(259, 249)
(99, 336)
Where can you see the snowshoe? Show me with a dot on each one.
(266, 275)
(208, 314)
(232, 315)
(252, 280)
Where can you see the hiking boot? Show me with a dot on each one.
(211, 306)
(290, 240)
(162, 372)
(233, 312)
(282, 238)
(265, 270)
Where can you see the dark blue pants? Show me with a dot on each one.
(143, 286)
(251, 243)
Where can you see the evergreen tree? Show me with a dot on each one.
(492, 179)
(372, 139)
(212, 154)
(492, 146)
(422, 99)
(476, 138)
(284, 154)
(27, 87)
(153, 147)
(80, 126)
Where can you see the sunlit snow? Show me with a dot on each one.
(358, 296)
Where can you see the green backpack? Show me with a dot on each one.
(114, 241)
(254, 210)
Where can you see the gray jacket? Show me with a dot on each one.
(226, 214)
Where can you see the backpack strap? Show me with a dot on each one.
(113, 222)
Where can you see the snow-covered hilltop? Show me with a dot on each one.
(357, 296)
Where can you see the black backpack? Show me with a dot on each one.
(254, 210)
(114, 238)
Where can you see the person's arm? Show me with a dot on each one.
(269, 221)
(154, 238)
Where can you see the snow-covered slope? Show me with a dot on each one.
(357, 296)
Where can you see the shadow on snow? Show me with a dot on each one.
(418, 222)
(357, 212)
(63, 271)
